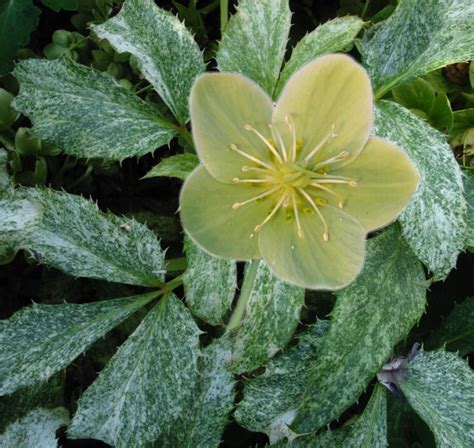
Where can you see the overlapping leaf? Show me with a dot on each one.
(370, 316)
(40, 340)
(440, 387)
(418, 38)
(210, 284)
(271, 316)
(87, 113)
(330, 37)
(434, 221)
(254, 41)
(164, 49)
(179, 165)
(146, 384)
(75, 237)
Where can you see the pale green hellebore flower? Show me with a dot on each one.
(299, 183)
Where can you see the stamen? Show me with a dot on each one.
(330, 180)
(316, 209)
(264, 140)
(295, 209)
(252, 158)
(270, 216)
(338, 158)
(252, 181)
(246, 169)
(280, 141)
(291, 125)
(328, 190)
(255, 198)
(321, 144)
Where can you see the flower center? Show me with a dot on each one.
(294, 183)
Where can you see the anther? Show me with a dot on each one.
(265, 141)
(270, 216)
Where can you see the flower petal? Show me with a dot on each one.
(221, 104)
(331, 95)
(209, 219)
(386, 179)
(310, 261)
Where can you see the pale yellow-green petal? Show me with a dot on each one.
(209, 219)
(332, 94)
(386, 179)
(221, 104)
(310, 261)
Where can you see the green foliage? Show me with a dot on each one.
(370, 317)
(146, 384)
(254, 41)
(440, 387)
(18, 18)
(180, 166)
(63, 100)
(434, 222)
(40, 340)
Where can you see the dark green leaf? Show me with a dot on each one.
(179, 166)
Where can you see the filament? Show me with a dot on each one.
(252, 181)
(272, 213)
(264, 140)
(297, 216)
(338, 158)
(250, 157)
(318, 212)
(291, 125)
(340, 203)
(255, 198)
(276, 133)
(321, 144)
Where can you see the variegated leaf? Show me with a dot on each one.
(37, 428)
(74, 236)
(440, 387)
(434, 221)
(18, 215)
(146, 384)
(203, 420)
(469, 189)
(165, 50)
(417, 38)
(271, 316)
(330, 37)
(254, 41)
(40, 340)
(210, 284)
(87, 113)
(371, 315)
(269, 400)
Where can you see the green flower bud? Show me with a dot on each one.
(26, 143)
(63, 38)
(54, 51)
(8, 115)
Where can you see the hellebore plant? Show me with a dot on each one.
(299, 183)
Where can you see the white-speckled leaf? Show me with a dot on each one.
(164, 49)
(36, 429)
(87, 113)
(6, 182)
(254, 41)
(75, 237)
(203, 420)
(209, 283)
(469, 189)
(330, 37)
(40, 340)
(434, 221)
(269, 400)
(17, 215)
(368, 431)
(371, 315)
(440, 387)
(419, 37)
(271, 317)
(180, 166)
(456, 332)
(146, 384)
